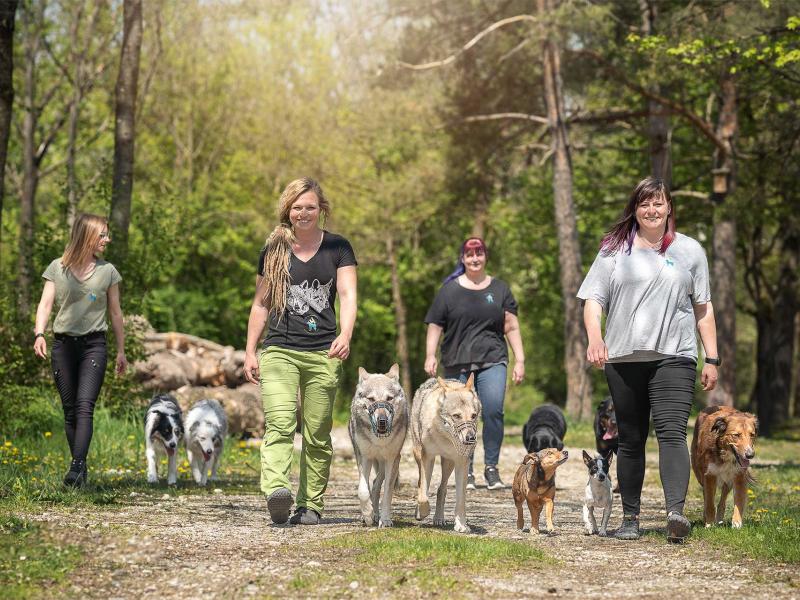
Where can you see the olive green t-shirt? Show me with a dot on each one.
(82, 304)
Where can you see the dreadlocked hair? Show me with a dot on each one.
(275, 283)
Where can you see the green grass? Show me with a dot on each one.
(30, 560)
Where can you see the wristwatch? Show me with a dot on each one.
(38, 335)
(713, 361)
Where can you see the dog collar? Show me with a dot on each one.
(372, 419)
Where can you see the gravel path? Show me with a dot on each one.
(222, 545)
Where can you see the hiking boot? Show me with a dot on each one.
(305, 516)
(492, 477)
(278, 504)
(471, 481)
(678, 527)
(77, 474)
(629, 530)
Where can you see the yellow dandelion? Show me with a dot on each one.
(8, 444)
(242, 444)
(131, 437)
(48, 434)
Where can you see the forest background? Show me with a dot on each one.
(525, 122)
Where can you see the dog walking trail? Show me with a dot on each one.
(222, 545)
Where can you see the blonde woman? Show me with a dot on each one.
(85, 287)
(300, 271)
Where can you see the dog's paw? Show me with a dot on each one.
(550, 532)
(367, 520)
(462, 527)
(423, 510)
(385, 523)
(602, 533)
(709, 525)
(589, 530)
(152, 479)
(736, 524)
(440, 521)
(172, 482)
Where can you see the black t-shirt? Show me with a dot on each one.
(473, 323)
(309, 322)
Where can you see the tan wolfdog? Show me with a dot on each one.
(444, 422)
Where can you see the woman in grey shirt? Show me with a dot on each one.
(653, 285)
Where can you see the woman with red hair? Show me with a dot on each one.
(653, 284)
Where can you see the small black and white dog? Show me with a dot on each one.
(206, 427)
(546, 428)
(598, 492)
(606, 435)
(163, 432)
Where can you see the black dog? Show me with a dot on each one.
(606, 435)
(545, 428)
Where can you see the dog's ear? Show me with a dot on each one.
(442, 383)
(719, 426)
(470, 381)
(531, 458)
(608, 456)
(394, 372)
(586, 458)
(362, 374)
(194, 427)
(755, 424)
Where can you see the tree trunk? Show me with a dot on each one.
(30, 163)
(8, 10)
(124, 132)
(399, 319)
(579, 389)
(776, 337)
(72, 140)
(658, 126)
(724, 250)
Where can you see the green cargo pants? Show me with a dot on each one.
(282, 373)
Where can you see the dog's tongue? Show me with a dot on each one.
(170, 451)
(744, 462)
(608, 435)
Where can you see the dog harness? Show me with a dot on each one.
(373, 419)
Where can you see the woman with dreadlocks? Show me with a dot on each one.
(476, 313)
(300, 270)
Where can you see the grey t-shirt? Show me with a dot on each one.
(648, 299)
(82, 304)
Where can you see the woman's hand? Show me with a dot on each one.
(597, 353)
(251, 371)
(40, 347)
(518, 373)
(122, 363)
(431, 365)
(340, 348)
(708, 377)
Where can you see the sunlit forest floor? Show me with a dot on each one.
(121, 538)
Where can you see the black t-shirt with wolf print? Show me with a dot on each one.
(473, 323)
(309, 322)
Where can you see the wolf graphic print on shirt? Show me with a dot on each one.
(301, 297)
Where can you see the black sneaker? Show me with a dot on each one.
(278, 504)
(492, 477)
(76, 476)
(471, 481)
(305, 516)
(678, 527)
(629, 530)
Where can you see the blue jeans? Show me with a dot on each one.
(490, 384)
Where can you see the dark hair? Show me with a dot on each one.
(469, 243)
(624, 230)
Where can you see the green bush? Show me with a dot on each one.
(28, 410)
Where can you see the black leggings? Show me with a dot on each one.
(667, 388)
(79, 366)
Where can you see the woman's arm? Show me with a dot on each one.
(255, 327)
(42, 316)
(431, 344)
(515, 341)
(707, 326)
(117, 324)
(347, 288)
(596, 353)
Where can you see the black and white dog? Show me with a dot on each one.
(163, 432)
(598, 492)
(206, 427)
(546, 428)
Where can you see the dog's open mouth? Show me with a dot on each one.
(207, 455)
(744, 463)
(611, 432)
(564, 459)
(170, 451)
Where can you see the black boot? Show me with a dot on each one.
(77, 474)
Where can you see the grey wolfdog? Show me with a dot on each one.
(378, 426)
(444, 422)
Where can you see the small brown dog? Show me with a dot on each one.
(722, 448)
(535, 482)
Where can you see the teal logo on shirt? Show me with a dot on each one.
(670, 262)
(311, 324)
(490, 298)
(92, 296)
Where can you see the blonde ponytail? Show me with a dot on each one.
(275, 284)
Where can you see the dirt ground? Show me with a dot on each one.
(223, 545)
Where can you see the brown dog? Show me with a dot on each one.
(535, 482)
(722, 448)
